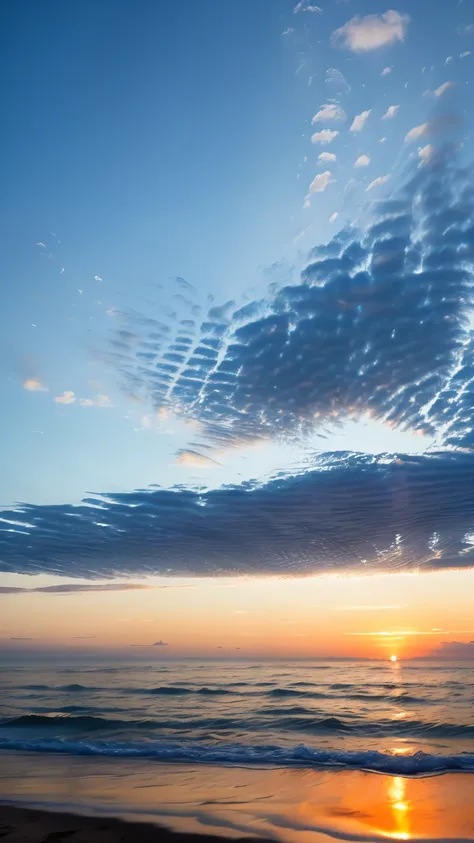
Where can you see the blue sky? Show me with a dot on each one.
(221, 143)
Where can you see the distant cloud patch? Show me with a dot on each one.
(34, 385)
(321, 182)
(359, 121)
(371, 32)
(324, 136)
(67, 397)
(362, 161)
(391, 112)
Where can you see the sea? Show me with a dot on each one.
(406, 719)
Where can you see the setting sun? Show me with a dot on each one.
(393, 658)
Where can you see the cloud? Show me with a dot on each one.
(376, 182)
(305, 6)
(417, 132)
(371, 32)
(160, 644)
(34, 385)
(66, 398)
(327, 156)
(324, 136)
(390, 112)
(72, 588)
(19, 638)
(466, 29)
(288, 31)
(448, 60)
(343, 518)
(359, 121)
(425, 153)
(377, 324)
(329, 112)
(362, 161)
(386, 71)
(454, 651)
(333, 217)
(321, 182)
(194, 458)
(438, 92)
(465, 54)
(98, 401)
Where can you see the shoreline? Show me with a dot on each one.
(45, 825)
(179, 803)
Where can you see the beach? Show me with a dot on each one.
(294, 806)
(295, 752)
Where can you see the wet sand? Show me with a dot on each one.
(26, 825)
(287, 805)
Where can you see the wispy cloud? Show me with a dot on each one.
(438, 92)
(329, 112)
(362, 161)
(386, 71)
(160, 644)
(391, 112)
(361, 34)
(189, 457)
(417, 132)
(305, 6)
(73, 588)
(360, 120)
(376, 182)
(425, 153)
(98, 401)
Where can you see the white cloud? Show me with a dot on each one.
(306, 204)
(417, 132)
(376, 182)
(67, 397)
(390, 112)
(97, 278)
(448, 60)
(425, 153)
(362, 161)
(41, 244)
(359, 121)
(327, 156)
(304, 6)
(333, 217)
(324, 136)
(465, 54)
(34, 385)
(382, 140)
(442, 88)
(372, 31)
(288, 31)
(98, 401)
(329, 112)
(320, 182)
(386, 71)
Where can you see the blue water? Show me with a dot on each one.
(406, 719)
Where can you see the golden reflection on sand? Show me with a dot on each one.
(289, 806)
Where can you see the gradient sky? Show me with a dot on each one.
(236, 323)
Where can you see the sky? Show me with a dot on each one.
(237, 368)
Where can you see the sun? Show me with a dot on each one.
(393, 658)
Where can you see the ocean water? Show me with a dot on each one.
(407, 719)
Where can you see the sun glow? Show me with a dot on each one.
(393, 658)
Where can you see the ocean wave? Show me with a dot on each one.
(294, 719)
(419, 764)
